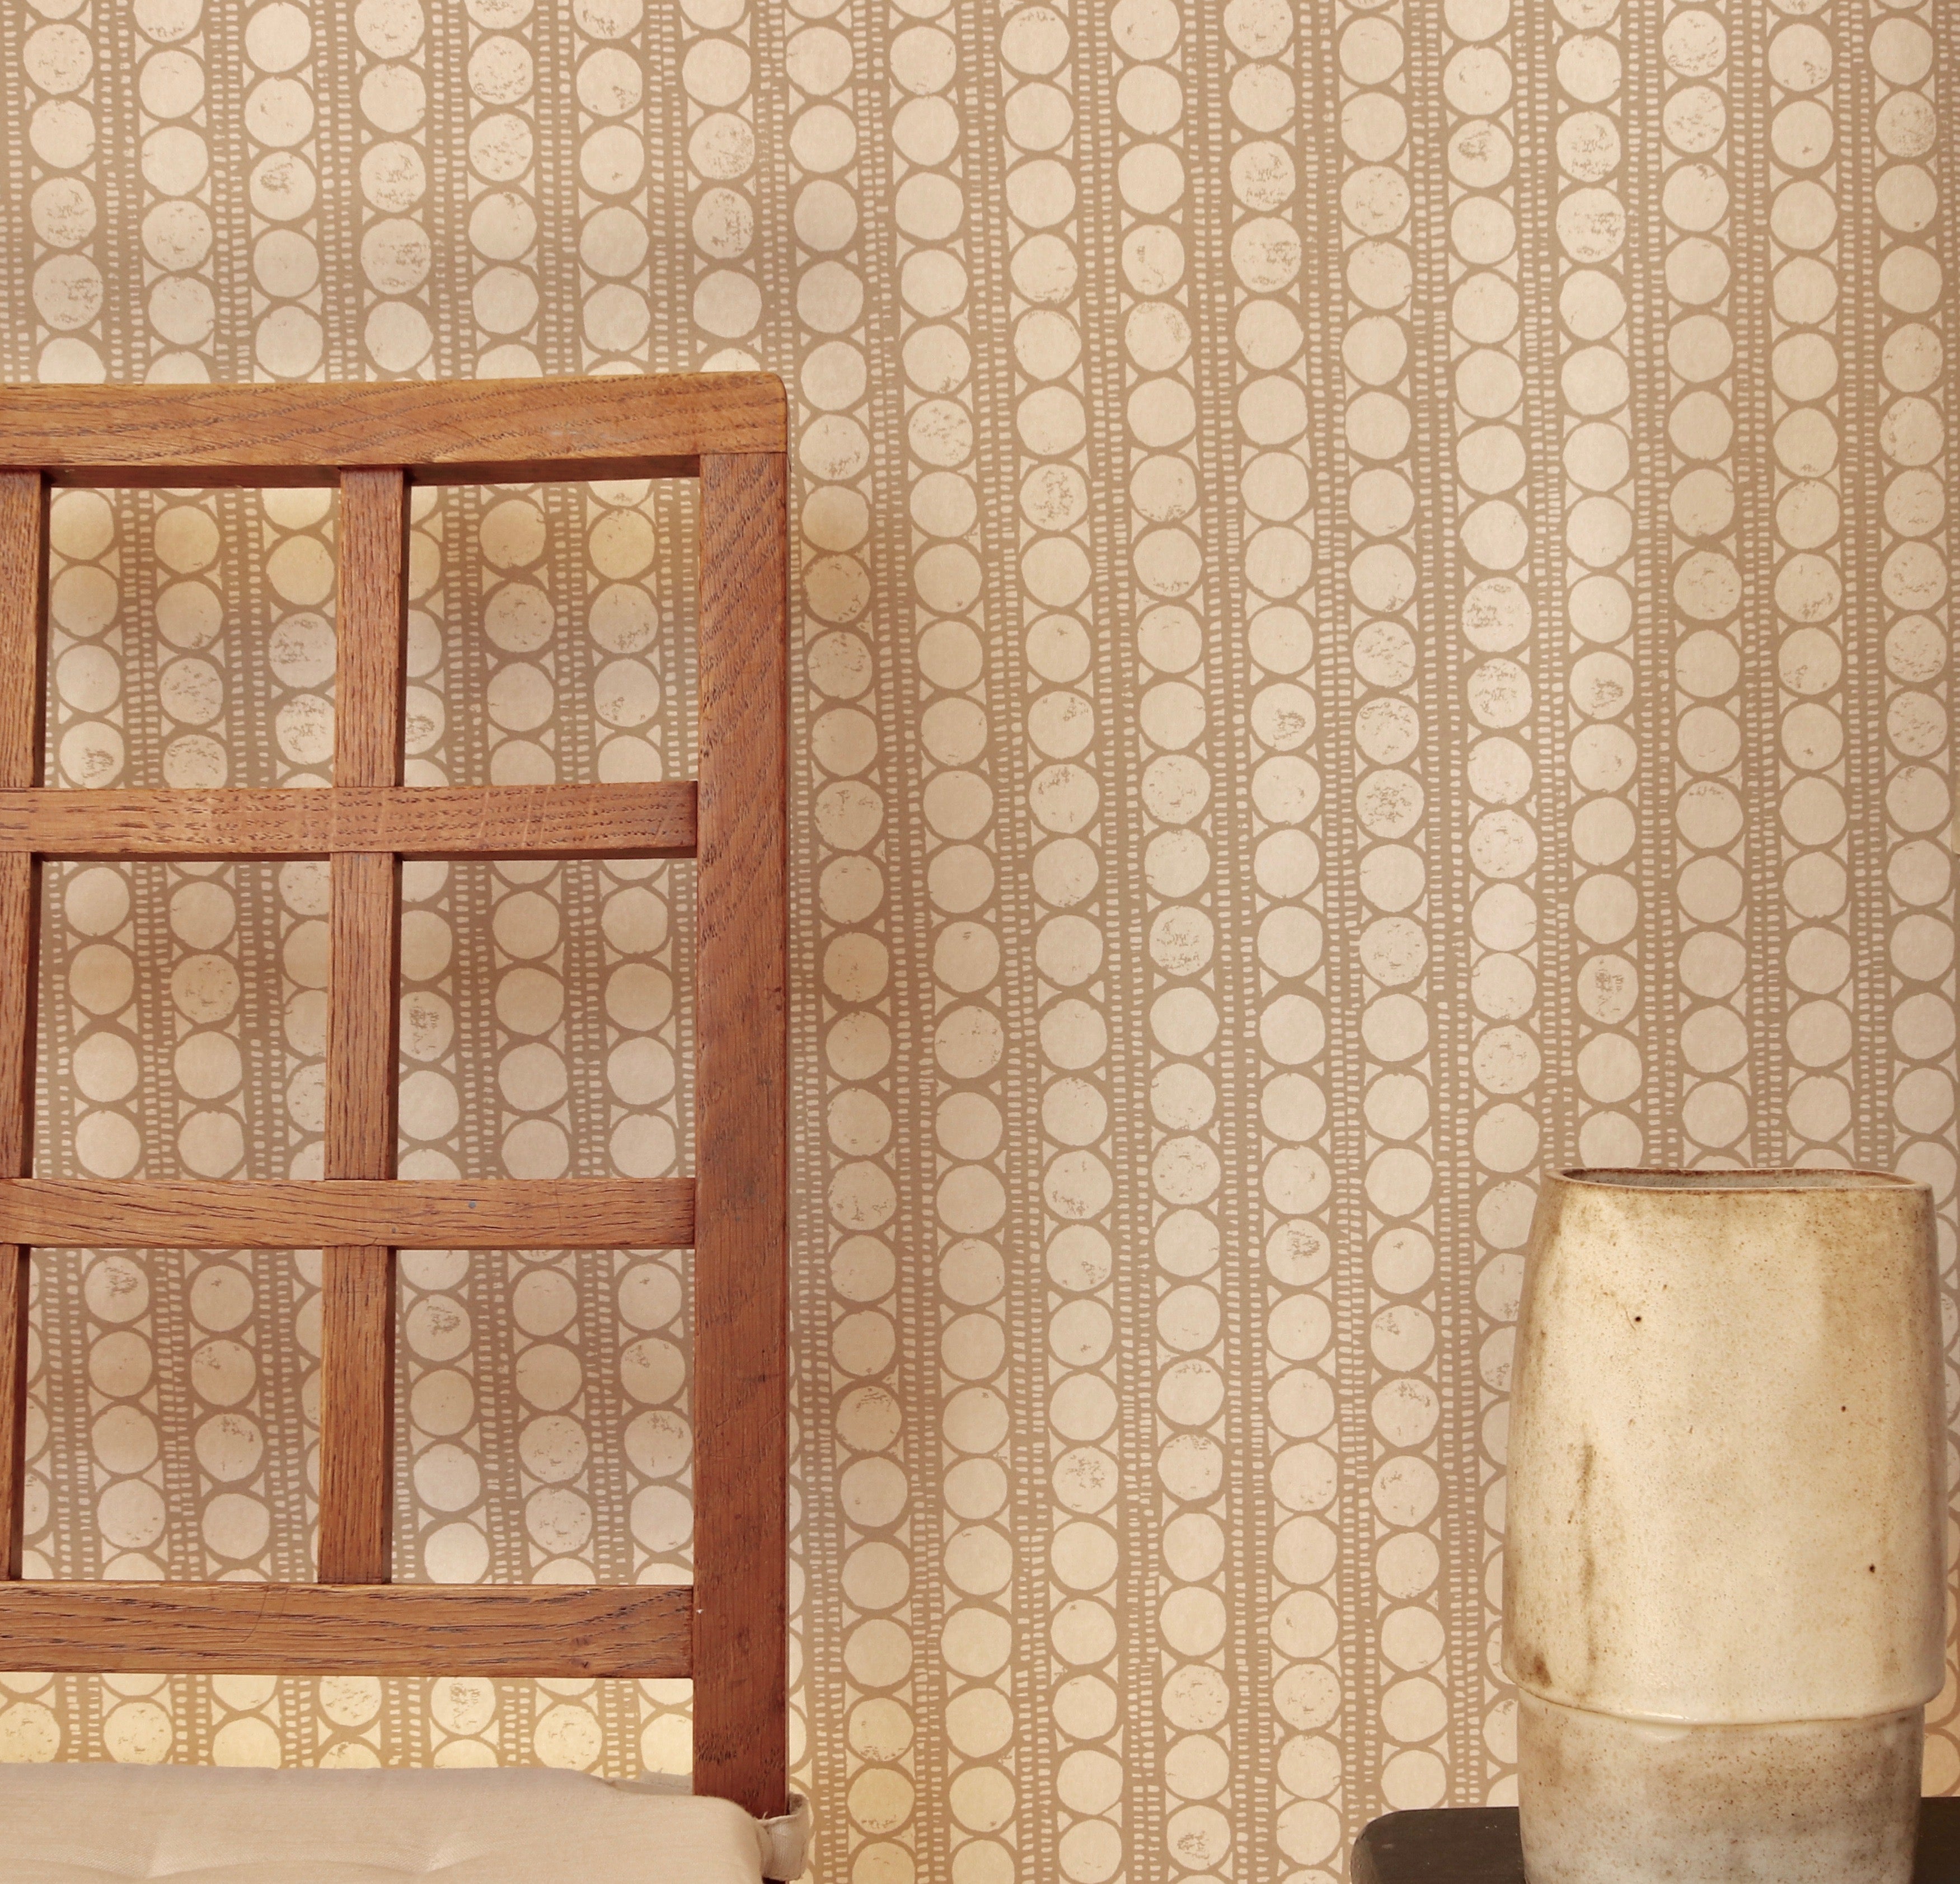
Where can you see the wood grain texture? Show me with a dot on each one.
(24, 558)
(24, 583)
(371, 634)
(20, 965)
(23, 569)
(741, 1239)
(20, 954)
(355, 1543)
(1478, 1844)
(357, 1282)
(362, 1014)
(316, 1629)
(409, 1213)
(357, 1355)
(466, 431)
(15, 1281)
(490, 821)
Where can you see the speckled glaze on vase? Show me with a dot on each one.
(1724, 1568)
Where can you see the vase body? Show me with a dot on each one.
(1724, 1586)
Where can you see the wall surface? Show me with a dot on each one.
(1372, 614)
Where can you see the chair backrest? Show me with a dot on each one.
(374, 440)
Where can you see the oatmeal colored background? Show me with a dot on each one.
(1371, 613)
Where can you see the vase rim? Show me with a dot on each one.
(1784, 1177)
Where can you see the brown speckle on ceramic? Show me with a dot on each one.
(1724, 1572)
(1609, 1801)
(1727, 1440)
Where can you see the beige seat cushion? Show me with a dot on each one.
(84, 1824)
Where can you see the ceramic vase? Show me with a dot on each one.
(1724, 1588)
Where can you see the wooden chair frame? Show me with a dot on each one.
(374, 440)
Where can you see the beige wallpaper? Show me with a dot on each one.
(1372, 613)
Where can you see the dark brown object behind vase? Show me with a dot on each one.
(1478, 1844)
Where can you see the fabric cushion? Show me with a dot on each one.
(76, 1823)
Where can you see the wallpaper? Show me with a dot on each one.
(1370, 614)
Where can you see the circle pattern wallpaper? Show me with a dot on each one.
(1370, 616)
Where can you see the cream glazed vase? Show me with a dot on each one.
(1724, 1587)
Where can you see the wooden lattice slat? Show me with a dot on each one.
(498, 432)
(434, 821)
(357, 1335)
(291, 1213)
(729, 1630)
(24, 583)
(741, 1102)
(549, 1630)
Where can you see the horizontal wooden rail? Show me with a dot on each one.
(348, 1628)
(472, 431)
(352, 1212)
(488, 821)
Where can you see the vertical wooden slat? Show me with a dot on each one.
(373, 623)
(742, 1226)
(23, 568)
(361, 1018)
(357, 1374)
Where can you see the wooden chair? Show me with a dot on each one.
(373, 441)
